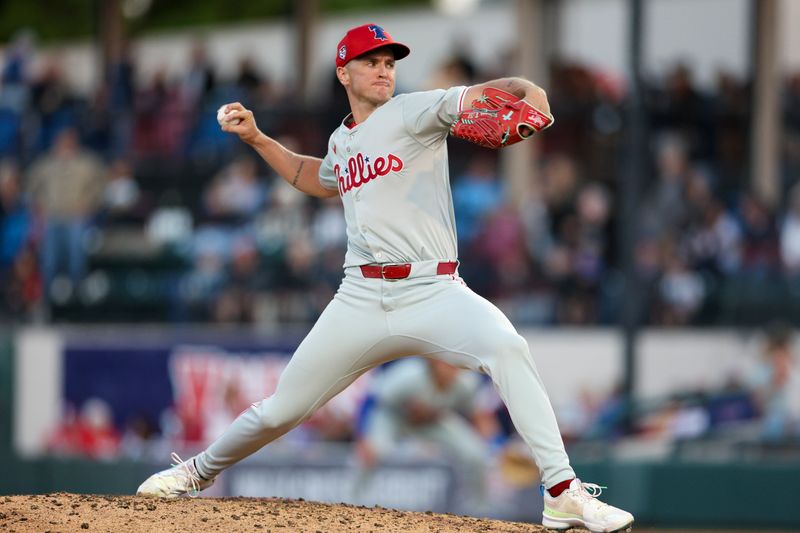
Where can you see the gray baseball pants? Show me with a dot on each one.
(372, 321)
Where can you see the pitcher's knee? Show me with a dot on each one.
(507, 348)
(274, 415)
(513, 345)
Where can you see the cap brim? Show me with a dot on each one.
(400, 50)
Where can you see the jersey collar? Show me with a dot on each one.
(349, 122)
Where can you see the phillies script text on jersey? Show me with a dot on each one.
(360, 170)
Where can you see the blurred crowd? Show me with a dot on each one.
(129, 203)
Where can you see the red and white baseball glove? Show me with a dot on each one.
(499, 119)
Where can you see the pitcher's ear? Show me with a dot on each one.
(344, 75)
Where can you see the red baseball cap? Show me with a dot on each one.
(362, 39)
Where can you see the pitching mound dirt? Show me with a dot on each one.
(123, 514)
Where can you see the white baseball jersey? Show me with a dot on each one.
(392, 175)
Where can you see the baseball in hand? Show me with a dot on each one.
(221, 114)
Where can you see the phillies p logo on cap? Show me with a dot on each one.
(378, 32)
(366, 38)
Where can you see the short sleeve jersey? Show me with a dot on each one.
(392, 175)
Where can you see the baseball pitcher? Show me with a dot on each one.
(401, 294)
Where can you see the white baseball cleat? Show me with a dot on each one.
(578, 506)
(181, 479)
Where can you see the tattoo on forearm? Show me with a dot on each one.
(297, 176)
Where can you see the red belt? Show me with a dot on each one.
(402, 270)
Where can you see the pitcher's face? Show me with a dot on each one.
(370, 77)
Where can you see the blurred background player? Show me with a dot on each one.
(427, 401)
